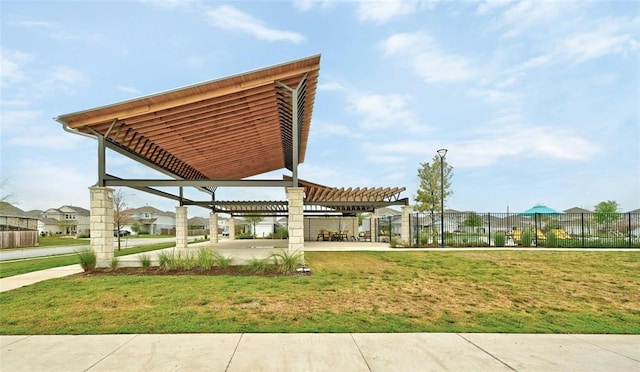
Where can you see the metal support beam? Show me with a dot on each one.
(196, 183)
(102, 168)
(295, 134)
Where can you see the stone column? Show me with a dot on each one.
(101, 224)
(213, 227)
(181, 229)
(232, 228)
(405, 223)
(295, 196)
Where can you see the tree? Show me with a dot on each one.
(120, 212)
(473, 220)
(429, 192)
(606, 212)
(4, 197)
(253, 220)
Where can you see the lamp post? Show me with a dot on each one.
(442, 153)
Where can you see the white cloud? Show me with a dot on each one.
(530, 14)
(230, 18)
(488, 6)
(613, 37)
(308, 5)
(380, 111)
(62, 78)
(11, 63)
(127, 89)
(495, 95)
(332, 85)
(427, 60)
(171, 4)
(383, 11)
(326, 129)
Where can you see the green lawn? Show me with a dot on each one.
(422, 291)
(11, 268)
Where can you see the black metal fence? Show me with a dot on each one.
(570, 230)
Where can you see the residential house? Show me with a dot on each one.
(150, 220)
(17, 228)
(201, 223)
(67, 220)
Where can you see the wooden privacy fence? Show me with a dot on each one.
(18, 239)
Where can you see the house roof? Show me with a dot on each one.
(152, 210)
(9, 210)
(80, 211)
(225, 129)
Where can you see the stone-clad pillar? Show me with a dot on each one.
(232, 228)
(213, 227)
(295, 196)
(374, 226)
(405, 223)
(181, 229)
(101, 224)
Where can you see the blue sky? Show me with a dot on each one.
(536, 101)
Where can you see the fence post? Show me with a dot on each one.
(629, 229)
(582, 228)
(489, 220)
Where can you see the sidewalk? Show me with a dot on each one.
(309, 352)
(321, 352)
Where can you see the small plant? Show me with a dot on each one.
(206, 259)
(526, 239)
(552, 240)
(165, 260)
(145, 261)
(258, 266)
(88, 260)
(287, 262)
(222, 261)
(499, 239)
(114, 263)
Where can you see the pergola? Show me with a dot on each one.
(216, 134)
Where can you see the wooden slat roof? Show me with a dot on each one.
(316, 193)
(230, 128)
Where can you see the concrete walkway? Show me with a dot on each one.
(321, 352)
(308, 352)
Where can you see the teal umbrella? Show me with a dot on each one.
(539, 209)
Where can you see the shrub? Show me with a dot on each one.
(88, 260)
(394, 242)
(552, 240)
(258, 266)
(287, 262)
(145, 261)
(165, 260)
(206, 259)
(114, 263)
(499, 239)
(222, 261)
(526, 239)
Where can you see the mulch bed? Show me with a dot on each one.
(155, 271)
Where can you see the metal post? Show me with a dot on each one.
(101, 161)
(442, 153)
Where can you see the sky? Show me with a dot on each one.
(537, 102)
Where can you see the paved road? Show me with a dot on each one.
(32, 252)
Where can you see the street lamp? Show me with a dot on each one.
(442, 153)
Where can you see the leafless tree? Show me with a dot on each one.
(121, 213)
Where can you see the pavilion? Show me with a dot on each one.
(217, 134)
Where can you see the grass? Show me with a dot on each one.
(11, 268)
(53, 241)
(426, 291)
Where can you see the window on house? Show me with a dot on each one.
(146, 215)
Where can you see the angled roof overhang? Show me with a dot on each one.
(225, 129)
